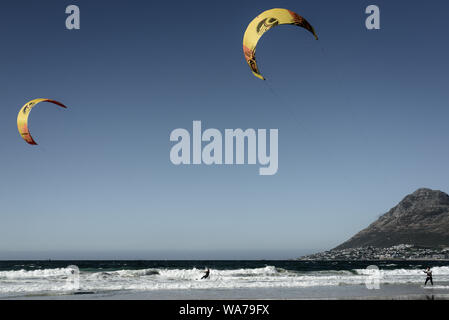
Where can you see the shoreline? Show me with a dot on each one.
(344, 292)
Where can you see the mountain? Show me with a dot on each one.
(420, 219)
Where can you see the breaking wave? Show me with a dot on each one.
(54, 281)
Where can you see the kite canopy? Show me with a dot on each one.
(264, 22)
(22, 118)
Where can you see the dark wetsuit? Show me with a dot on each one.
(206, 275)
(429, 277)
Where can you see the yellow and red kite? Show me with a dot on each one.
(264, 22)
(22, 118)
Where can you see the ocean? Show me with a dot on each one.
(228, 279)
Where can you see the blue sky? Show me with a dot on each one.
(362, 118)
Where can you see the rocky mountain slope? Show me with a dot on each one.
(420, 219)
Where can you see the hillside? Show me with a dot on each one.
(420, 219)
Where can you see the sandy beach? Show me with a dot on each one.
(386, 292)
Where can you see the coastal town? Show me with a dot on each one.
(398, 252)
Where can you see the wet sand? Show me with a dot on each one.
(354, 292)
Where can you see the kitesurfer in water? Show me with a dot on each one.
(428, 272)
(206, 274)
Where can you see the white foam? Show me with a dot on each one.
(41, 273)
(55, 280)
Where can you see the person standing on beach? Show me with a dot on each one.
(428, 272)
